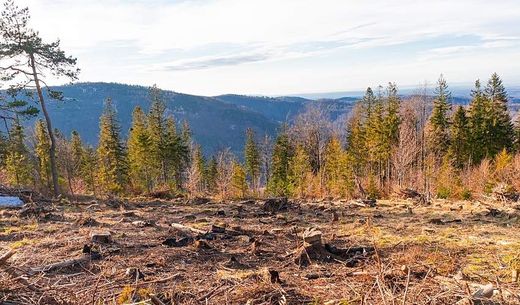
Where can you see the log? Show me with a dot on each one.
(187, 230)
(484, 292)
(6, 256)
(86, 258)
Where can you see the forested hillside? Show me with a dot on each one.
(217, 122)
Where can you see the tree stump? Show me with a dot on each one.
(101, 237)
(274, 205)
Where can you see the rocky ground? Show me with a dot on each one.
(149, 251)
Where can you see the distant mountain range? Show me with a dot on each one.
(217, 122)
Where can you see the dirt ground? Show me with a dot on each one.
(396, 252)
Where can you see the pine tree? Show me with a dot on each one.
(42, 154)
(356, 140)
(4, 149)
(238, 180)
(30, 59)
(460, 139)
(157, 125)
(439, 136)
(301, 172)
(139, 152)
(177, 154)
(279, 183)
(252, 159)
(392, 118)
(18, 164)
(480, 125)
(200, 162)
(88, 168)
(212, 174)
(503, 129)
(76, 159)
(338, 174)
(112, 172)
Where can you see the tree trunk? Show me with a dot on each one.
(52, 149)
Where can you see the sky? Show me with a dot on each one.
(282, 47)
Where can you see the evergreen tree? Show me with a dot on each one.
(238, 180)
(337, 171)
(460, 139)
(279, 183)
(439, 136)
(88, 168)
(139, 144)
(301, 171)
(503, 129)
(480, 125)
(42, 154)
(18, 165)
(375, 134)
(199, 166)
(112, 172)
(392, 118)
(212, 174)
(356, 140)
(157, 131)
(4, 149)
(252, 159)
(29, 59)
(76, 151)
(177, 154)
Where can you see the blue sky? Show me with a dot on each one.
(275, 47)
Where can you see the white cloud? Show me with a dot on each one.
(282, 41)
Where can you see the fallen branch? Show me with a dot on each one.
(86, 258)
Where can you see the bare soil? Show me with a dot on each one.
(396, 252)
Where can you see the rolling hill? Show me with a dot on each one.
(217, 122)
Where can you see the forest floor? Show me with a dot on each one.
(395, 252)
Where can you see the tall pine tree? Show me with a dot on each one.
(42, 154)
(18, 164)
(279, 182)
(112, 174)
(252, 159)
(439, 133)
(503, 129)
(139, 152)
(460, 139)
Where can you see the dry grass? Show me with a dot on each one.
(418, 261)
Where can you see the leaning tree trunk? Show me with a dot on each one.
(52, 149)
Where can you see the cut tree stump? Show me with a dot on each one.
(312, 236)
(274, 205)
(101, 237)
(313, 249)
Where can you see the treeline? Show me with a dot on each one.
(386, 144)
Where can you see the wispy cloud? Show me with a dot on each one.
(201, 45)
(211, 62)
